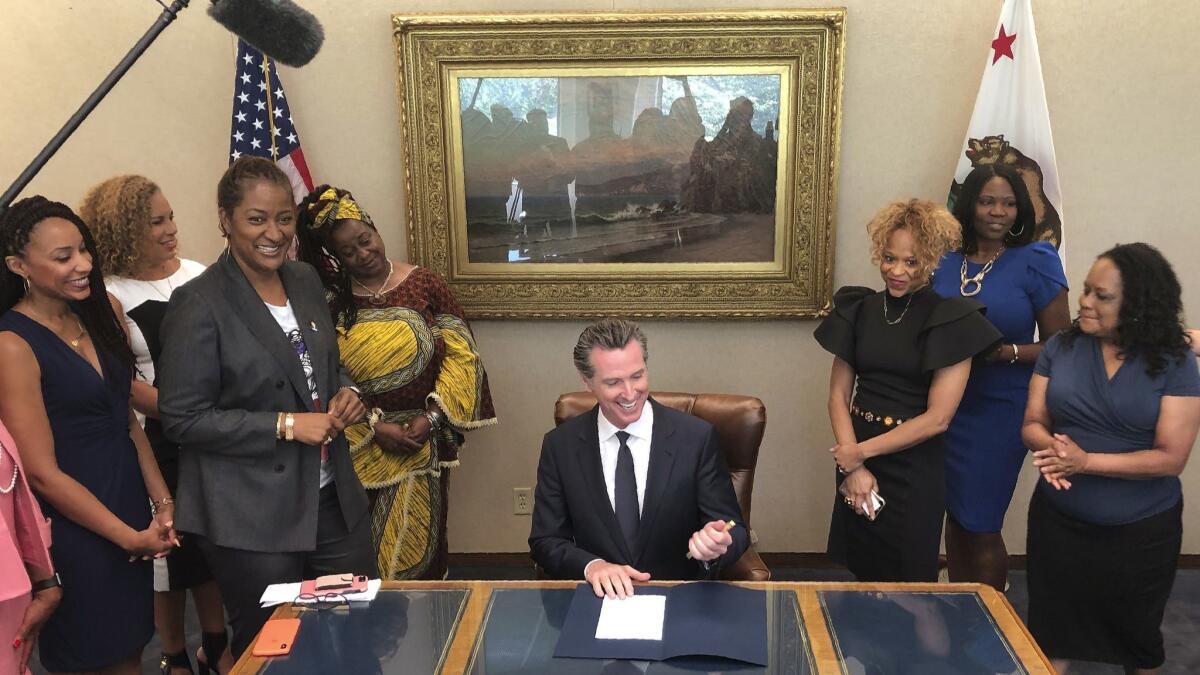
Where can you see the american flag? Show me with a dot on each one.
(262, 119)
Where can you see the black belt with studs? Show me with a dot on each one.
(885, 420)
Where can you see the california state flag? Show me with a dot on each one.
(1011, 123)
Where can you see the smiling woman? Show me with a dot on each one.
(65, 372)
(904, 354)
(137, 245)
(405, 340)
(252, 389)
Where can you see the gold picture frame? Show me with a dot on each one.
(599, 182)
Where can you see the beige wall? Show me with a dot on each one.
(1121, 80)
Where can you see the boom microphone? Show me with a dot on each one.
(281, 29)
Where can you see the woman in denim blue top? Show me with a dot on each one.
(1114, 408)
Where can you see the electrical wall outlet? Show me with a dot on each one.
(522, 501)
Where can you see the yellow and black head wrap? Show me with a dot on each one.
(331, 205)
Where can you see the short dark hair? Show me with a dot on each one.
(231, 188)
(964, 206)
(606, 334)
(1149, 323)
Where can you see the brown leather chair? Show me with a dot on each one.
(739, 422)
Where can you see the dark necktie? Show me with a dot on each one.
(625, 495)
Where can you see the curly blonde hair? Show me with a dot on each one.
(934, 230)
(118, 213)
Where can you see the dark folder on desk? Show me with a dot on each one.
(701, 619)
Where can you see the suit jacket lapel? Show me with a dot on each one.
(658, 476)
(593, 475)
(249, 307)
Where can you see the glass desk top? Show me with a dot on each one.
(400, 632)
(503, 627)
(917, 633)
(522, 627)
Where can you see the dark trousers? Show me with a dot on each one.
(243, 575)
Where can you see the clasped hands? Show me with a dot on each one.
(1062, 458)
(320, 428)
(403, 439)
(157, 540)
(849, 456)
(616, 581)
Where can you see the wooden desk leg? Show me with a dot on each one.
(469, 629)
(1014, 630)
(819, 640)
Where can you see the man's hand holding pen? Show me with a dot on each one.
(711, 541)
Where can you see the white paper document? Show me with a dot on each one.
(637, 617)
(278, 594)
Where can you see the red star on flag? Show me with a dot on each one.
(1002, 45)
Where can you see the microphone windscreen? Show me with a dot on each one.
(281, 29)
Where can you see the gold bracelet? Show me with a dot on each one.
(1016, 354)
(289, 427)
(279, 426)
(156, 505)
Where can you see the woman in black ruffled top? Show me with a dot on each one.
(904, 353)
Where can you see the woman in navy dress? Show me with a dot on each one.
(65, 373)
(902, 357)
(1021, 282)
(1114, 408)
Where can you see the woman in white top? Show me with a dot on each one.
(137, 240)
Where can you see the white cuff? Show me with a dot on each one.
(589, 565)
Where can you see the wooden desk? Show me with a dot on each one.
(817, 603)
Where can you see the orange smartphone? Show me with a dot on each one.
(276, 637)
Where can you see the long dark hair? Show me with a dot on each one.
(1149, 324)
(95, 313)
(314, 248)
(964, 206)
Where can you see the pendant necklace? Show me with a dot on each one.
(902, 313)
(82, 332)
(977, 280)
(376, 296)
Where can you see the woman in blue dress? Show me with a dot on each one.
(65, 374)
(1114, 409)
(1021, 282)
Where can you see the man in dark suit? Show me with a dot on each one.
(627, 490)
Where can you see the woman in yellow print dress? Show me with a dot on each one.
(407, 345)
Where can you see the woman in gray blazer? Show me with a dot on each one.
(252, 389)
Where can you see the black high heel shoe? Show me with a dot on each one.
(170, 661)
(213, 646)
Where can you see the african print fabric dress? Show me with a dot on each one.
(410, 347)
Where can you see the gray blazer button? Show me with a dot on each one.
(279, 468)
(279, 384)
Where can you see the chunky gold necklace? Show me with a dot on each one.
(977, 280)
(376, 296)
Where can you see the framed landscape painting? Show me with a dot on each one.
(650, 164)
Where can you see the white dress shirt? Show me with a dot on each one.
(639, 446)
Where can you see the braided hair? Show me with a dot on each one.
(1148, 323)
(95, 312)
(316, 250)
